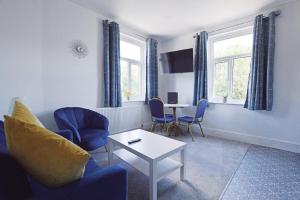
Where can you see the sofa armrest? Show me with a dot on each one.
(109, 183)
(66, 133)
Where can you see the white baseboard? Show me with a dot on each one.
(257, 140)
(244, 137)
(147, 125)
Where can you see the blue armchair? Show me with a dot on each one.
(96, 183)
(90, 129)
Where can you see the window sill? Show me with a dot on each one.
(227, 103)
(133, 101)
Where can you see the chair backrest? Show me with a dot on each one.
(72, 115)
(157, 108)
(202, 104)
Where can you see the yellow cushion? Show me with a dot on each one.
(46, 156)
(21, 112)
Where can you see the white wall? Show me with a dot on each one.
(279, 128)
(21, 54)
(36, 62)
(68, 80)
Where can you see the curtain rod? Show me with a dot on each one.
(277, 13)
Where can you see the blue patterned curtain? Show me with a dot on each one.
(200, 68)
(260, 83)
(112, 83)
(151, 70)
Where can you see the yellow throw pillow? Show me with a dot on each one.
(21, 112)
(46, 156)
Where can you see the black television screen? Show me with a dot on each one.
(177, 61)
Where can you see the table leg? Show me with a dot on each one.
(183, 161)
(174, 113)
(153, 180)
(110, 152)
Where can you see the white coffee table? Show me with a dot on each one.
(150, 155)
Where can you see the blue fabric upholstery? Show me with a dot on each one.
(164, 120)
(90, 129)
(157, 112)
(3, 148)
(200, 80)
(93, 138)
(68, 134)
(13, 179)
(156, 108)
(186, 119)
(151, 69)
(169, 115)
(260, 83)
(96, 183)
(197, 119)
(199, 114)
(202, 104)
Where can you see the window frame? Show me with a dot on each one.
(228, 59)
(142, 63)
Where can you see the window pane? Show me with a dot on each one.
(135, 81)
(130, 51)
(241, 68)
(125, 80)
(221, 80)
(233, 46)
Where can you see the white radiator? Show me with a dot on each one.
(124, 118)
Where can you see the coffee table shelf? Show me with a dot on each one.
(164, 167)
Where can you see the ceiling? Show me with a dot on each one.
(170, 18)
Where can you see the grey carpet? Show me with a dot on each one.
(210, 164)
(267, 174)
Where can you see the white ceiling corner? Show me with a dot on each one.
(170, 18)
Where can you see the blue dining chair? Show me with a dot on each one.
(197, 119)
(158, 115)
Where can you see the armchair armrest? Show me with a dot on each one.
(66, 133)
(109, 183)
(64, 124)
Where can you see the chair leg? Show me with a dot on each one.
(190, 132)
(201, 129)
(153, 127)
(162, 128)
(168, 130)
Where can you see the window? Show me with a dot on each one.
(230, 59)
(132, 53)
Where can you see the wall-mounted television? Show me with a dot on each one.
(177, 61)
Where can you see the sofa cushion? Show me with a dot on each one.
(46, 156)
(13, 182)
(186, 119)
(93, 138)
(39, 189)
(21, 112)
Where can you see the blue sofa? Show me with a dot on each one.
(89, 128)
(96, 184)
